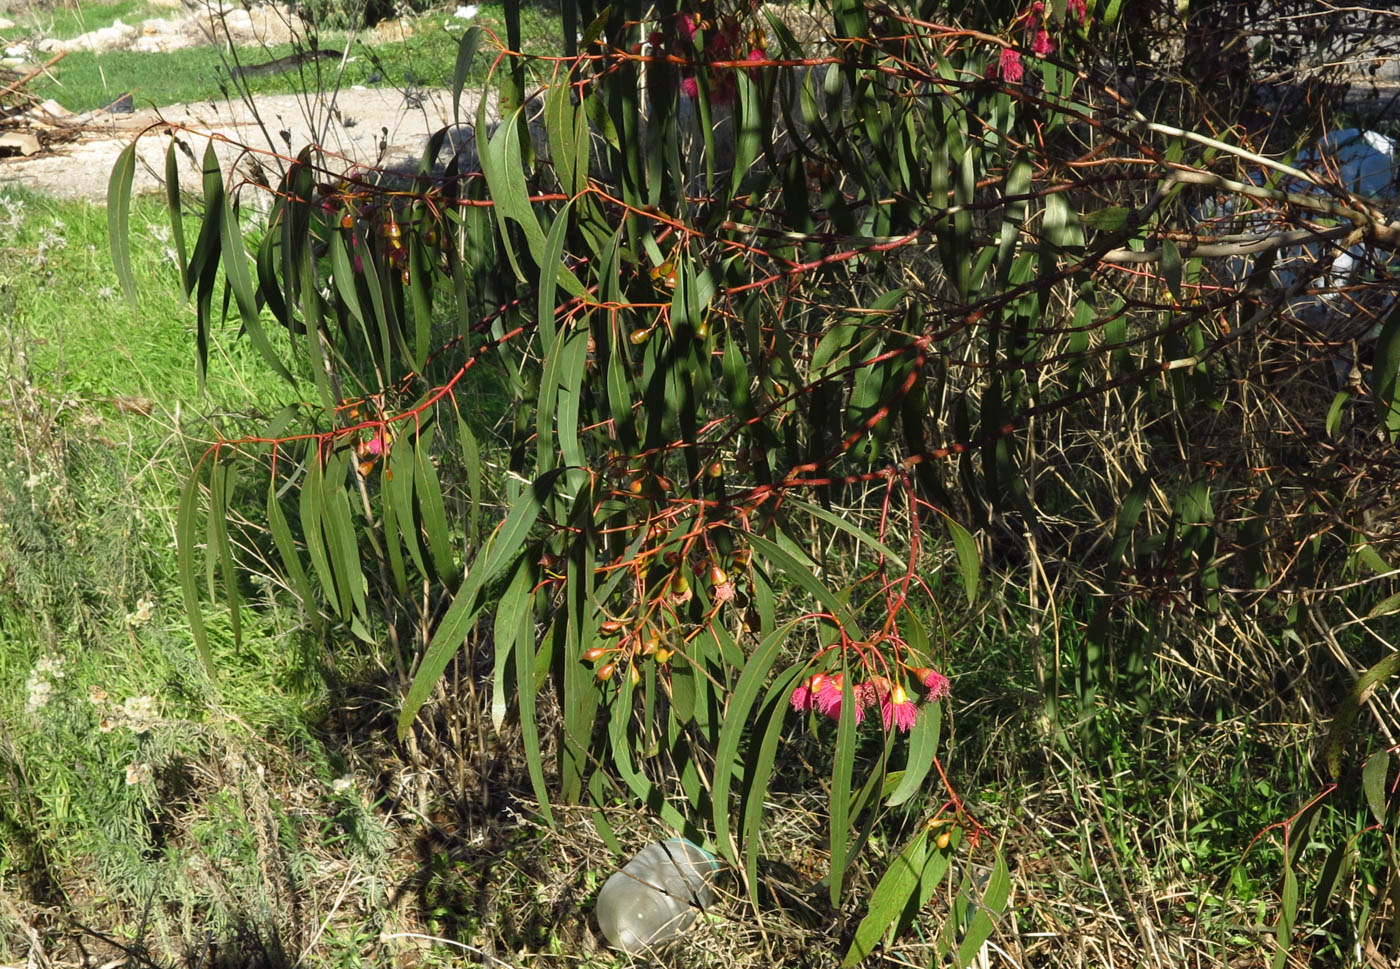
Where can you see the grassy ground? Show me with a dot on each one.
(421, 56)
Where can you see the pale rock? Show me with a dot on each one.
(18, 143)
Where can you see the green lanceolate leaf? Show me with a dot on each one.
(516, 605)
(1373, 783)
(239, 279)
(923, 747)
(186, 543)
(1287, 915)
(1128, 515)
(505, 545)
(969, 562)
(1335, 870)
(471, 461)
(466, 53)
(526, 689)
(621, 744)
(843, 763)
(891, 896)
(428, 491)
(1384, 371)
(802, 575)
(759, 770)
(736, 723)
(287, 553)
(859, 534)
(222, 480)
(173, 206)
(342, 544)
(993, 903)
(309, 509)
(1346, 714)
(119, 218)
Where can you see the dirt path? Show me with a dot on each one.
(363, 127)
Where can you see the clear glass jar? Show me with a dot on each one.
(656, 895)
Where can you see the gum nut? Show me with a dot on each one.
(718, 576)
(639, 337)
(943, 839)
(594, 653)
(715, 469)
(606, 672)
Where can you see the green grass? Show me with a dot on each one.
(71, 18)
(100, 690)
(84, 80)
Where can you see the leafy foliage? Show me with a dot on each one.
(798, 340)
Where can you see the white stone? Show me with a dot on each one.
(21, 142)
(466, 12)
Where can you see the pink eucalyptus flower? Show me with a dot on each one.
(828, 698)
(1009, 67)
(897, 710)
(1077, 8)
(685, 26)
(869, 694)
(690, 87)
(1042, 44)
(935, 682)
(801, 698)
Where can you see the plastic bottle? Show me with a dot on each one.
(656, 895)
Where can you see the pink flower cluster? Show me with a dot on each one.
(824, 693)
(1009, 66)
(722, 42)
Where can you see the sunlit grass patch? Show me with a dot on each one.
(420, 55)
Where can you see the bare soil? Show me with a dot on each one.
(358, 127)
(353, 126)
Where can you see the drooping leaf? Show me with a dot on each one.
(751, 682)
(923, 747)
(1373, 783)
(839, 817)
(1346, 713)
(186, 544)
(891, 895)
(993, 902)
(505, 545)
(119, 218)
